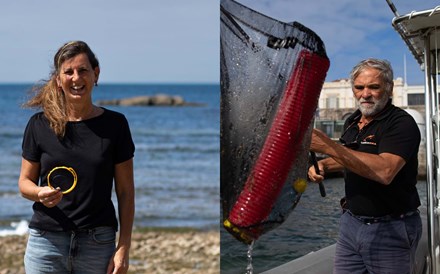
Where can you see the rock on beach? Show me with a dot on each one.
(154, 100)
(151, 252)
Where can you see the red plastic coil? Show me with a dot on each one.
(289, 126)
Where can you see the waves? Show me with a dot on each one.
(11, 133)
(16, 228)
(178, 148)
(203, 132)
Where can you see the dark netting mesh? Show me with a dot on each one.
(271, 77)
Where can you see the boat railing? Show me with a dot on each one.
(420, 30)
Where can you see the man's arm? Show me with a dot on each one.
(325, 165)
(381, 168)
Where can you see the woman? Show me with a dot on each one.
(75, 232)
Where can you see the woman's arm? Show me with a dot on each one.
(124, 185)
(29, 189)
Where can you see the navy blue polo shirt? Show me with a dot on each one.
(392, 131)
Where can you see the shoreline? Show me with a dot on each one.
(153, 250)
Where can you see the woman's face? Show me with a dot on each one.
(76, 77)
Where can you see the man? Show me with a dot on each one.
(380, 226)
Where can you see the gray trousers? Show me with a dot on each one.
(377, 248)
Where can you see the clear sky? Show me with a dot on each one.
(352, 30)
(175, 41)
(163, 41)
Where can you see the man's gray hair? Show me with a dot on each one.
(384, 68)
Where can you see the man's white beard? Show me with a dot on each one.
(379, 104)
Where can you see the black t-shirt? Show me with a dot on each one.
(92, 148)
(393, 131)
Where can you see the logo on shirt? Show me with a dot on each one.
(369, 140)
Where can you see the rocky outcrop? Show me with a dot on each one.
(154, 100)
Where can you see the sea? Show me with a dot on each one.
(176, 162)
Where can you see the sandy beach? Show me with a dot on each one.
(152, 251)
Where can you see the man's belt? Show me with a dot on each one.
(382, 219)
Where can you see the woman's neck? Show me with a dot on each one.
(82, 112)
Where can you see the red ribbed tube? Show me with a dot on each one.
(294, 114)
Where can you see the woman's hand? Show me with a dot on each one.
(119, 263)
(49, 197)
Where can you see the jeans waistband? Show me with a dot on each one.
(387, 218)
(89, 230)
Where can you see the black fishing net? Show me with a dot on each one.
(271, 77)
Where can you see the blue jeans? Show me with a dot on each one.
(384, 247)
(84, 252)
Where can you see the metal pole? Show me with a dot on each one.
(430, 180)
(393, 8)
